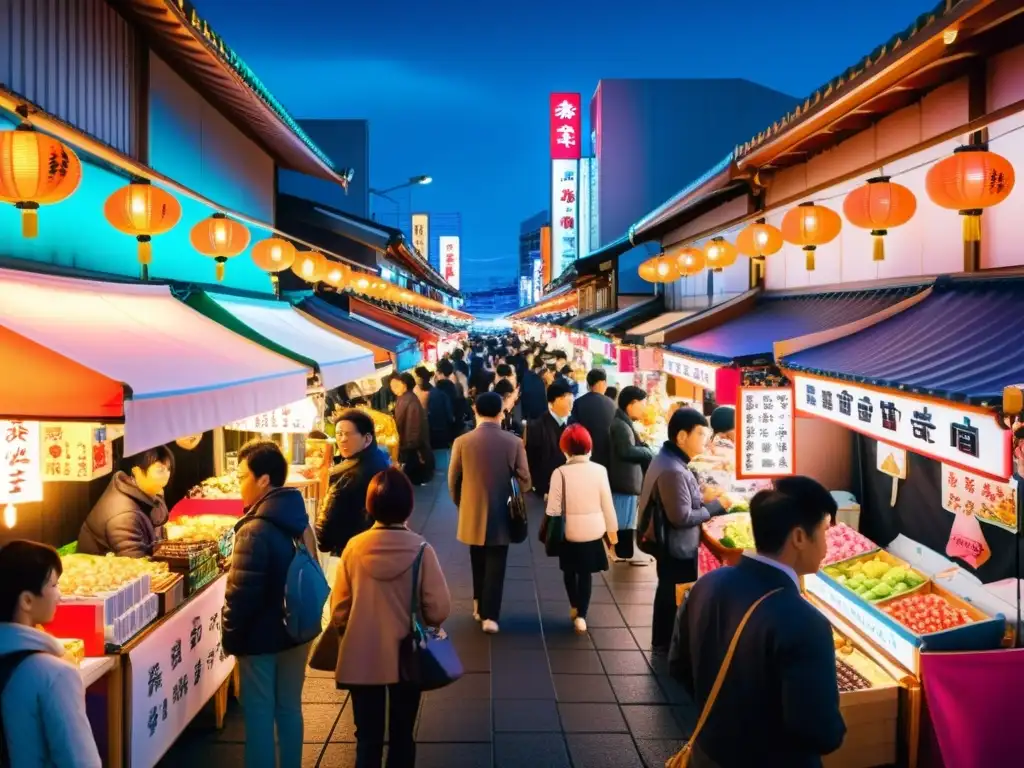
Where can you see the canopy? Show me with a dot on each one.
(403, 324)
(404, 350)
(961, 343)
(97, 351)
(618, 322)
(749, 339)
(278, 326)
(650, 332)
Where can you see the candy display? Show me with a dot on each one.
(923, 614)
(199, 527)
(875, 578)
(98, 576)
(220, 487)
(386, 430)
(844, 543)
(74, 650)
(850, 679)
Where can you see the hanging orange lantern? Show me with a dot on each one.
(664, 269)
(273, 255)
(690, 261)
(880, 205)
(144, 211)
(759, 240)
(311, 266)
(968, 181)
(335, 274)
(219, 238)
(35, 169)
(647, 271)
(720, 253)
(809, 225)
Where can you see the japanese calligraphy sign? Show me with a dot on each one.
(764, 432)
(298, 417)
(448, 245)
(75, 452)
(566, 125)
(538, 280)
(421, 234)
(969, 439)
(21, 479)
(990, 501)
(174, 671)
(564, 214)
(701, 374)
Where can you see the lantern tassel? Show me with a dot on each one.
(972, 226)
(145, 250)
(275, 281)
(29, 220)
(219, 269)
(809, 255)
(878, 252)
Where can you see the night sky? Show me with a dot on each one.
(458, 90)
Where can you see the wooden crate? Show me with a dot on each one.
(871, 728)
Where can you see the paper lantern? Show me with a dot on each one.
(690, 261)
(311, 266)
(35, 169)
(219, 238)
(880, 205)
(273, 255)
(759, 240)
(659, 269)
(335, 274)
(969, 181)
(143, 211)
(720, 253)
(647, 271)
(809, 225)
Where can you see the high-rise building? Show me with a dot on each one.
(530, 232)
(347, 143)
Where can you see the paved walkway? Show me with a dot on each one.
(535, 695)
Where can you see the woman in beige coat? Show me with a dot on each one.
(370, 605)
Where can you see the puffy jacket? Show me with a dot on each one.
(629, 457)
(589, 511)
(124, 521)
(263, 550)
(342, 514)
(44, 705)
(411, 422)
(440, 418)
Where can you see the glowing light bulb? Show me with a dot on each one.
(811, 222)
(713, 253)
(762, 237)
(307, 268)
(10, 515)
(275, 253)
(662, 269)
(976, 177)
(949, 36)
(138, 204)
(363, 284)
(220, 234)
(334, 276)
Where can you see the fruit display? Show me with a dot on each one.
(732, 530)
(924, 614)
(850, 679)
(199, 527)
(220, 487)
(96, 575)
(385, 428)
(875, 578)
(844, 543)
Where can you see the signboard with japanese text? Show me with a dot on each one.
(538, 280)
(564, 214)
(298, 417)
(449, 265)
(991, 501)
(21, 476)
(526, 289)
(421, 235)
(969, 439)
(173, 671)
(765, 430)
(586, 202)
(75, 452)
(566, 125)
(701, 374)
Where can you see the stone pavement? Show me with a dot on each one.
(535, 695)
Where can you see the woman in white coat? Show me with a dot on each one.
(580, 493)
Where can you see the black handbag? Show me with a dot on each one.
(518, 524)
(553, 528)
(426, 658)
(650, 529)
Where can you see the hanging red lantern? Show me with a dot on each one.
(880, 205)
(969, 181)
(273, 255)
(690, 261)
(759, 240)
(143, 211)
(809, 225)
(720, 253)
(219, 238)
(35, 169)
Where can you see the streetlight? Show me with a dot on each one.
(414, 181)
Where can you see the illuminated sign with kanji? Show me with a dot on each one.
(21, 478)
(566, 126)
(564, 214)
(449, 259)
(421, 234)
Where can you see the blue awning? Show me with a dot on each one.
(750, 338)
(961, 343)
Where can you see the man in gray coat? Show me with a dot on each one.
(480, 474)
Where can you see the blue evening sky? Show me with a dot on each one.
(458, 89)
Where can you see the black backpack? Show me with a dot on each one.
(8, 663)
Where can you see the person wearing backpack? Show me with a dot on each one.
(270, 616)
(42, 700)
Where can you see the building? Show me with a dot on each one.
(639, 162)
(497, 299)
(347, 143)
(530, 236)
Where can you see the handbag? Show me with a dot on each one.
(652, 518)
(681, 759)
(324, 657)
(518, 525)
(426, 657)
(553, 528)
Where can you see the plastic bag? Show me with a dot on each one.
(967, 542)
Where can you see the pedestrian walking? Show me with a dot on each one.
(483, 464)
(596, 412)
(542, 437)
(630, 458)
(581, 496)
(414, 452)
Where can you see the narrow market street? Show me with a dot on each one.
(534, 695)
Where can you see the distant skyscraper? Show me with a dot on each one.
(529, 253)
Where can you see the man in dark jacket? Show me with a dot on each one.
(272, 666)
(781, 692)
(542, 435)
(532, 391)
(447, 383)
(596, 412)
(342, 514)
(629, 458)
(129, 517)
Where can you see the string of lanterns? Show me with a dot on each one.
(970, 180)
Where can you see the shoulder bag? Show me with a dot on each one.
(426, 657)
(650, 528)
(518, 525)
(681, 759)
(552, 529)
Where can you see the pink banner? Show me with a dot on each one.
(192, 507)
(972, 700)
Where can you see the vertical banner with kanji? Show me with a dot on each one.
(450, 259)
(564, 214)
(566, 125)
(765, 430)
(173, 671)
(421, 235)
(991, 501)
(21, 478)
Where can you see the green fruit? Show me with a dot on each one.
(872, 583)
(841, 579)
(833, 572)
(898, 587)
(725, 541)
(880, 591)
(913, 579)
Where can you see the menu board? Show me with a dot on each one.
(990, 501)
(765, 427)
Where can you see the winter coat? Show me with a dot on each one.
(411, 421)
(596, 413)
(372, 599)
(542, 451)
(263, 550)
(441, 419)
(629, 456)
(124, 521)
(533, 396)
(44, 705)
(458, 397)
(479, 480)
(589, 511)
(342, 514)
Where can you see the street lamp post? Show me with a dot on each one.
(414, 181)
